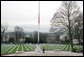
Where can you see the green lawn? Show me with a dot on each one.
(12, 48)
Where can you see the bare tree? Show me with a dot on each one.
(19, 34)
(64, 18)
(3, 30)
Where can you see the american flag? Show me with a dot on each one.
(38, 19)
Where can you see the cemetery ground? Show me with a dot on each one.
(50, 50)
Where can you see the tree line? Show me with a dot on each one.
(20, 36)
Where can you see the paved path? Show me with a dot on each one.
(47, 53)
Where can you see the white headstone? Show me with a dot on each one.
(75, 41)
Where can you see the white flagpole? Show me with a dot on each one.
(38, 46)
(38, 20)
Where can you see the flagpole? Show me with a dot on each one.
(38, 20)
(38, 46)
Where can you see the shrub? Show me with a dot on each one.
(11, 40)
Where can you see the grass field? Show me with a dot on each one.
(13, 48)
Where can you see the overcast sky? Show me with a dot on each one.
(25, 13)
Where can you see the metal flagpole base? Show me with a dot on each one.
(38, 48)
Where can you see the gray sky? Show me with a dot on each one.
(25, 14)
